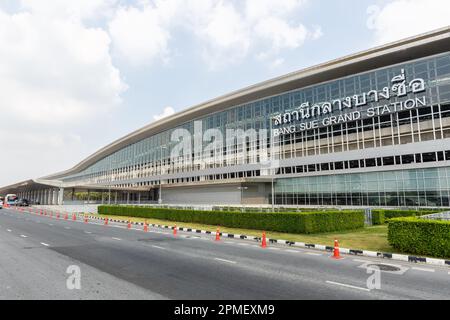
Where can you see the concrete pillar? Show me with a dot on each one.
(61, 196)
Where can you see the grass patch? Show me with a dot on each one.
(371, 238)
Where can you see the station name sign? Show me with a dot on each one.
(303, 117)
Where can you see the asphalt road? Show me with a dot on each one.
(117, 263)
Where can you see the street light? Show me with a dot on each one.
(160, 178)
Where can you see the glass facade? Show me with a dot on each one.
(419, 187)
(150, 157)
(144, 162)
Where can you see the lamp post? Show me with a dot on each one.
(161, 172)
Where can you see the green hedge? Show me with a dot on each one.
(386, 214)
(378, 218)
(420, 236)
(291, 222)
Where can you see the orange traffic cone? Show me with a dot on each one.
(145, 226)
(106, 221)
(85, 219)
(57, 215)
(66, 216)
(74, 217)
(217, 234)
(175, 230)
(336, 254)
(129, 224)
(264, 240)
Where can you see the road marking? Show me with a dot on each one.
(226, 261)
(243, 244)
(423, 269)
(118, 239)
(51, 225)
(313, 254)
(45, 244)
(157, 247)
(9, 230)
(272, 248)
(293, 251)
(68, 228)
(23, 236)
(88, 232)
(347, 286)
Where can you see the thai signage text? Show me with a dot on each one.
(284, 123)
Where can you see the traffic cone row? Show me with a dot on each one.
(264, 240)
(217, 234)
(336, 253)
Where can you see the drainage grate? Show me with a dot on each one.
(384, 267)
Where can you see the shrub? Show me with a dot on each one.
(378, 217)
(291, 222)
(386, 214)
(420, 236)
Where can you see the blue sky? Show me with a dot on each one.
(77, 75)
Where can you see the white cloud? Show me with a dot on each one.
(226, 31)
(139, 35)
(167, 112)
(55, 71)
(67, 9)
(404, 18)
(56, 75)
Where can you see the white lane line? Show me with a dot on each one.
(68, 228)
(272, 248)
(118, 239)
(88, 232)
(45, 244)
(9, 230)
(157, 247)
(423, 269)
(313, 254)
(243, 244)
(226, 261)
(229, 242)
(347, 286)
(293, 251)
(23, 236)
